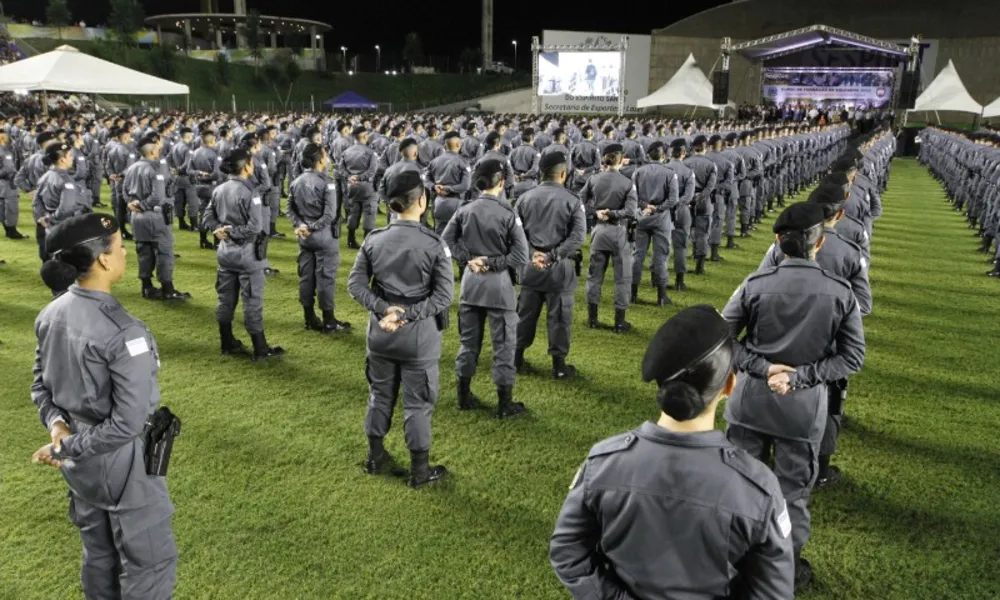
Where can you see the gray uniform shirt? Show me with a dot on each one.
(654, 514)
(554, 221)
(235, 205)
(313, 201)
(450, 171)
(488, 227)
(58, 197)
(798, 315)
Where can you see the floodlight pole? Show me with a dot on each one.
(621, 77)
(534, 74)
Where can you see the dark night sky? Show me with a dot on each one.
(444, 26)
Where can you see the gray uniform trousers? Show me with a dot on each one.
(731, 206)
(129, 551)
(655, 228)
(273, 202)
(540, 287)
(119, 204)
(240, 276)
(444, 209)
(9, 209)
(701, 230)
(680, 237)
(154, 243)
(319, 257)
(362, 202)
(747, 208)
(796, 465)
(718, 217)
(186, 199)
(204, 195)
(503, 336)
(610, 242)
(94, 177)
(414, 364)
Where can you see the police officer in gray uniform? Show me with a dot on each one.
(658, 193)
(610, 198)
(356, 169)
(186, 198)
(312, 208)
(233, 216)
(812, 335)
(555, 226)
(262, 185)
(120, 157)
(681, 235)
(448, 181)
(672, 509)
(144, 187)
(706, 175)
(485, 237)
(57, 196)
(9, 209)
(722, 195)
(203, 171)
(409, 309)
(95, 412)
(524, 162)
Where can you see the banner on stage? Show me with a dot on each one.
(588, 81)
(871, 87)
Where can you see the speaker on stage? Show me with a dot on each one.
(720, 87)
(909, 89)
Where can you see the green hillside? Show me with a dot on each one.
(404, 92)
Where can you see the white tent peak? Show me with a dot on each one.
(66, 69)
(992, 110)
(687, 87)
(947, 92)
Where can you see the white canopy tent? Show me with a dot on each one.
(948, 93)
(66, 69)
(688, 87)
(992, 110)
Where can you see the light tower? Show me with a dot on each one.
(487, 32)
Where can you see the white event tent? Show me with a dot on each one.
(688, 87)
(947, 93)
(992, 110)
(66, 69)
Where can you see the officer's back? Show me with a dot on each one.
(609, 189)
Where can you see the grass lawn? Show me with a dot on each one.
(271, 501)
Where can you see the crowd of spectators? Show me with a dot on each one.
(862, 117)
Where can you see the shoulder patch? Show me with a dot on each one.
(137, 347)
(613, 445)
(750, 468)
(762, 273)
(429, 232)
(838, 279)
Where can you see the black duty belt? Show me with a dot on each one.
(400, 300)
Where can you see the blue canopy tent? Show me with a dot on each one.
(350, 101)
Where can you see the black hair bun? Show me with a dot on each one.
(680, 400)
(58, 275)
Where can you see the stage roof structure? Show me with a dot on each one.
(688, 87)
(947, 93)
(66, 69)
(798, 40)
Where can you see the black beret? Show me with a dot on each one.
(679, 143)
(845, 163)
(489, 168)
(403, 183)
(686, 339)
(837, 178)
(608, 129)
(528, 132)
(830, 197)
(185, 131)
(732, 137)
(207, 132)
(612, 149)
(657, 145)
(44, 137)
(492, 139)
(714, 139)
(799, 217)
(699, 141)
(551, 159)
(76, 230)
(470, 125)
(248, 139)
(358, 131)
(406, 143)
(451, 135)
(149, 138)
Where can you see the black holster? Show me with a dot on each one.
(578, 262)
(630, 228)
(260, 246)
(838, 395)
(443, 320)
(158, 434)
(168, 214)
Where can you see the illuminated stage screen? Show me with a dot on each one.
(851, 87)
(579, 74)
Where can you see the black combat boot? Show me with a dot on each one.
(182, 224)
(592, 316)
(312, 321)
(379, 461)
(466, 399)
(422, 473)
(699, 266)
(716, 257)
(731, 243)
(519, 365)
(662, 299)
(13, 234)
(332, 325)
(621, 325)
(634, 298)
(506, 407)
(803, 572)
(679, 283)
(352, 239)
(261, 351)
(829, 475)
(204, 242)
(149, 291)
(987, 244)
(560, 370)
(781, 201)
(230, 345)
(170, 293)
(996, 269)
(274, 233)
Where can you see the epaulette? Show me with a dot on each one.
(853, 245)
(614, 444)
(118, 315)
(762, 273)
(430, 232)
(838, 279)
(747, 466)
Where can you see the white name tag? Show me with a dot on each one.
(518, 221)
(864, 263)
(784, 521)
(131, 155)
(137, 347)
(81, 159)
(447, 251)
(159, 177)
(163, 161)
(256, 201)
(331, 186)
(69, 186)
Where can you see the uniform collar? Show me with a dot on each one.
(92, 294)
(799, 262)
(404, 223)
(703, 439)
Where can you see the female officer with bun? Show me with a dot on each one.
(672, 509)
(234, 216)
(57, 196)
(404, 278)
(95, 386)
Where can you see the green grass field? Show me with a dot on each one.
(272, 504)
